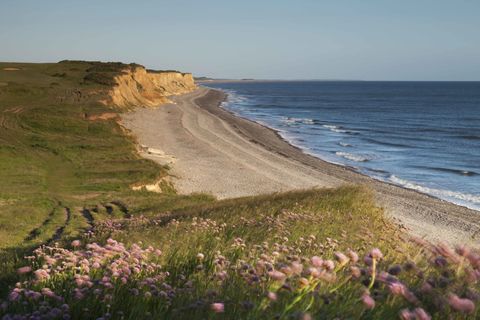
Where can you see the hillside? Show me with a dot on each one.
(77, 242)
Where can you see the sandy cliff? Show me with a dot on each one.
(139, 87)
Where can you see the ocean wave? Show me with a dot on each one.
(466, 197)
(353, 157)
(334, 128)
(291, 120)
(450, 170)
(344, 144)
(339, 129)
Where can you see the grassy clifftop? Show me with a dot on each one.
(53, 159)
(113, 253)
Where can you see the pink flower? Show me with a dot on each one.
(297, 268)
(48, 293)
(461, 305)
(356, 273)
(24, 270)
(368, 301)
(41, 274)
(421, 314)
(277, 275)
(341, 258)
(406, 314)
(272, 296)
(316, 261)
(376, 254)
(353, 256)
(217, 307)
(397, 288)
(76, 243)
(329, 265)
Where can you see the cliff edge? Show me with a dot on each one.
(137, 86)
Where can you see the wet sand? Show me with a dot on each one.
(211, 150)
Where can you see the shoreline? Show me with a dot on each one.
(249, 158)
(351, 168)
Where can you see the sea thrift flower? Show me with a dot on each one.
(341, 258)
(76, 243)
(41, 274)
(316, 261)
(297, 268)
(217, 307)
(200, 256)
(277, 275)
(421, 314)
(24, 270)
(376, 254)
(406, 314)
(329, 265)
(272, 296)
(353, 256)
(368, 301)
(397, 288)
(461, 305)
(355, 271)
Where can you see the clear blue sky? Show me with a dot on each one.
(302, 39)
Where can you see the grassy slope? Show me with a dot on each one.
(62, 174)
(53, 160)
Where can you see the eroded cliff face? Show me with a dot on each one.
(139, 87)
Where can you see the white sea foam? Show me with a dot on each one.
(334, 128)
(290, 120)
(353, 157)
(444, 194)
(344, 144)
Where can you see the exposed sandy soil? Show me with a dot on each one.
(228, 156)
(103, 116)
(11, 69)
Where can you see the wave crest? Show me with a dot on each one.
(471, 198)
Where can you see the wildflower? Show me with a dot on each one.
(353, 256)
(462, 250)
(461, 305)
(217, 307)
(341, 258)
(41, 274)
(297, 267)
(406, 314)
(272, 296)
(277, 275)
(24, 270)
(316, 261)
(148, 295)
(48, 293)
(376, 254)
(355, 271)
(76, 243)
(397, 288)
(14, 295)
(329, 265)
(368, 301)
(421, 314)
(200, 256)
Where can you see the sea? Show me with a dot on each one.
(419, 135)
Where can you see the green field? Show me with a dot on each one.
(286, 256)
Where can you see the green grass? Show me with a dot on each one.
(51, 157)
(65, 177)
